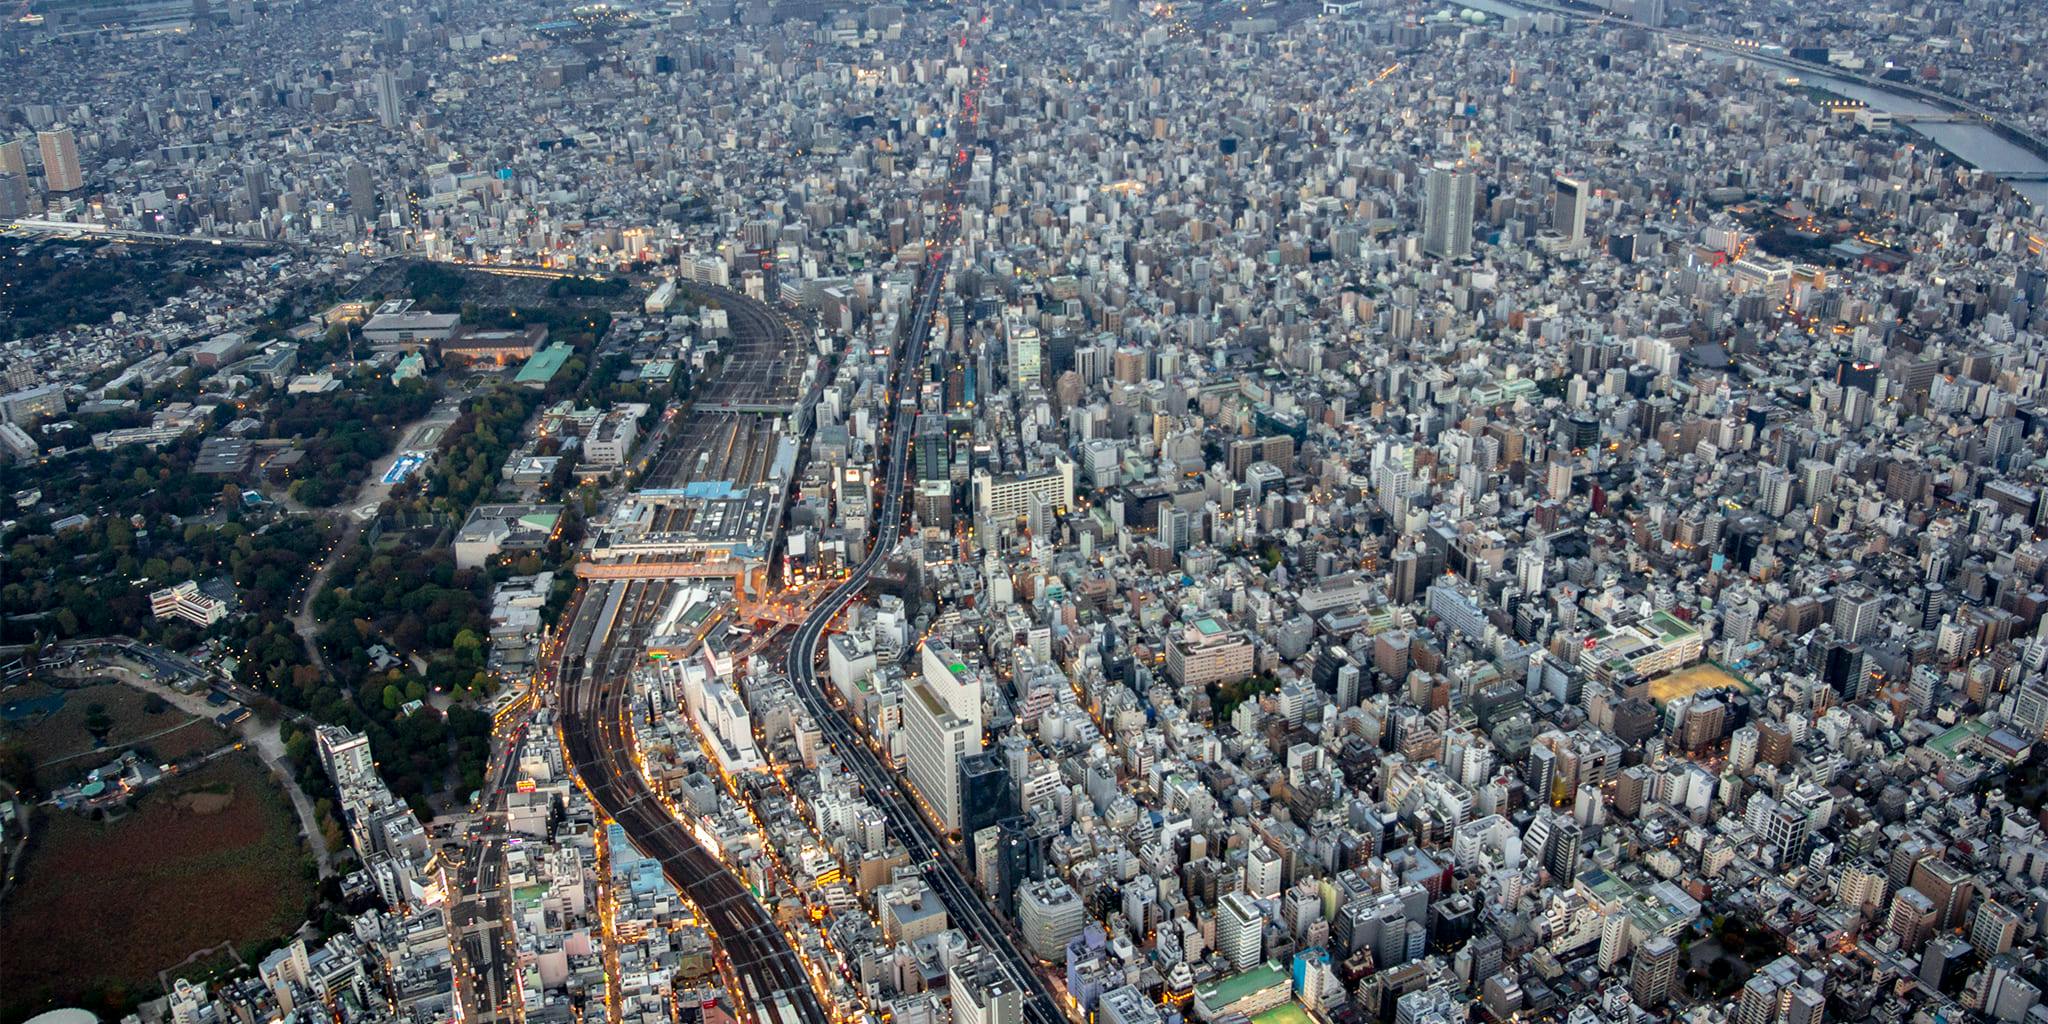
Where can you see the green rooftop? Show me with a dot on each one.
(1670, 625)
(1224, 991)
(542, 366)
(1949, 743)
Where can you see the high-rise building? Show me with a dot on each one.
(983, 994)
(1568, 209)
(1263, 871)
(14, 157)
(941, 725)
(1176, 528)
(256, 179)
(934, 451)
(1049, 913)
(60, 160)
(1738, 619)
(1026, 351)
(1911, 919)
(1742, 744)
(984, 792)
(2008, 995)
(390, 105)
(1857, 613)
(362, 190)
(1448, 194)
(1240, 931)
(1654, 972)
(14, 197)
(346, 756)
(1948, 886)
(1996, 929)
(1781, 993)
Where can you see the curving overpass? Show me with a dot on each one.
(965, 907)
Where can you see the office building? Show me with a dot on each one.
(1240, 931)
(942, 726)
(983, 994)
(1568, 209)
(389, 103)
(1049, 913)
(184, 601)
(985, 796)
(1001, 499)
(1995, 930)
(1026, 354)
(1204, 653)
(14, 195)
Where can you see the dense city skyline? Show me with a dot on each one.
(1283, 512)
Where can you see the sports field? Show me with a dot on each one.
(1289, 1012)
(1694, 678)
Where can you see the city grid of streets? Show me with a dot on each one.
(1282, 512)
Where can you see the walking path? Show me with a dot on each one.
(263, 737)
(357, 511)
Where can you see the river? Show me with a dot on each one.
(1975, 144)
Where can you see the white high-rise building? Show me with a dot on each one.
(982, 994)
(1262, 872)
(1448, 193)
(1529, 571)
(347, 757)
(1738, 619)
(1049, 913)
(1742, 749)
(942, 725)
(1026, 351)
(1240, 931)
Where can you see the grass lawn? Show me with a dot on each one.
(63, 733)
(102, 907)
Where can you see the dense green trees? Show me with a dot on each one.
(472, 451)
(346, 430)
(588, 287)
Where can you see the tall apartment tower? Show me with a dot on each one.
(60, 160)
(1654, 972)
(14, 157)
(14, 197)
(1448, 193)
